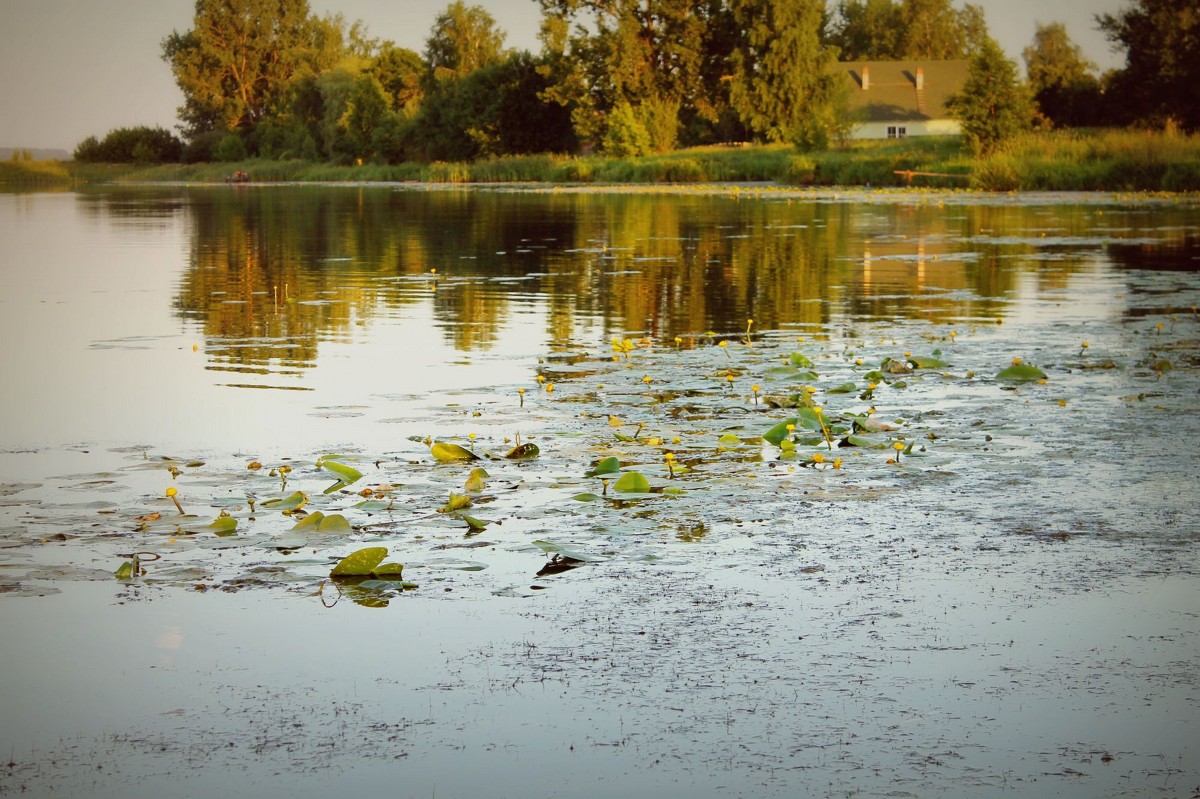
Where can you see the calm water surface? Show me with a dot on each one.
(1017, 614)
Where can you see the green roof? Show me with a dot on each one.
(891, 94)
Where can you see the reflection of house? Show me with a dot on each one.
(894, 99)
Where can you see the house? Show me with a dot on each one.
(894, 99)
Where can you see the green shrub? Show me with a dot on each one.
(626, 136)
(139, 145)
(230, 148)
(998, 173)
(801, 171)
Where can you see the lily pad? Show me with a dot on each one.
(523, 452)
(608, 465)
(632, 483)
(360, 563)
(1020, 373)
(345, 474)
(447, 453)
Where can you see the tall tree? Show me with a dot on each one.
(783, 84)
(1161, 77)
(237, 59)
(399, 72)
(992, 105)
(1063, 82)
(884, 30)
(649, 55)
(464, 38)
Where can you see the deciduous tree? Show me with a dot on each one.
(884, 30)
(464, 38)
(1063, 82)
(237, 59)
(1161, 77)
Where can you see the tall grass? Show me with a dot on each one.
(1096, 160)
(1093, 160)
(33, 173)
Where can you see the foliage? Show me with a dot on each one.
(783, 83)
(238, 59)
(653, 55)
(993, 105)
(1161, 77)
(138, 145)
(626, 136)
(230, 148)
(1061, 79)
(464, 39)
(883, 30)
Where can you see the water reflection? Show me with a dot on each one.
(273, 272)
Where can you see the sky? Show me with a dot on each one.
(70, 69)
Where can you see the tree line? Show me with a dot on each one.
(269, 79)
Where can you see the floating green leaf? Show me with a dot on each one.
(345, 474)
(475, 480)
(223, 525)
(125, 571)
(779, 432)
(799, 359)
(523, 452)
(587, 496)
(310, 522)
(287, 504)
(1020, 373)
(632, 483)
(360, 563)
(451, 452)
(456, 502)
(844, 388)
(475, 524)
(390, 569)
(927, 362)
(608, 465)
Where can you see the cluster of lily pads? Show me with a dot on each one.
(625, 436)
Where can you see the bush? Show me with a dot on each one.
(140, 145)
(998, 173)
(626, 136)
(801, 170)
(230, 148)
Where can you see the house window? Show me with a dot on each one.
(894, 132)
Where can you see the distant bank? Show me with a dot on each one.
(1067, 160)
(34, 153)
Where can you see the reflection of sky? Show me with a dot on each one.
(95, 354)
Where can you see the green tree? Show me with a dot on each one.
(464, 39)
(993, 105)
(238, 59)
(1161, 77)
(131, 145)
(399, 72)
(1063, 82)
(784, 85)
(883, 30)
(867, 30)
(651, 55)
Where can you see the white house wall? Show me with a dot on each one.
(925, 127)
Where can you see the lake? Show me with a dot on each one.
(969, 567)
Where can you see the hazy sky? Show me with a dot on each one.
(69, 69)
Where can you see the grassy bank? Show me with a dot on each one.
(1075, 160)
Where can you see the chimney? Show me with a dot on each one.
(866, 78)
(920, 79)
